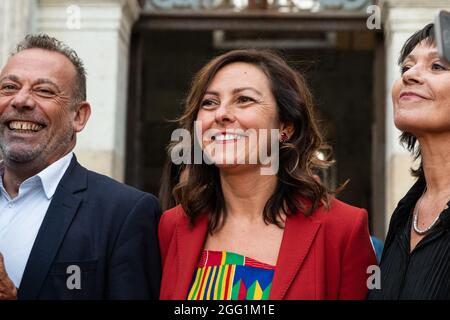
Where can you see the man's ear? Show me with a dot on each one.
(287, 128)
(82, 114)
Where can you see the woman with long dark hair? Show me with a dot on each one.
(241, 231)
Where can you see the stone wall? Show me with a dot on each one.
(16, 20)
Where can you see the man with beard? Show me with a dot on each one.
(65, 232)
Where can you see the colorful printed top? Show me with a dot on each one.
(230, 276)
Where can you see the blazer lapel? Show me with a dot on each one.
(190, 243)
(58, 218)
(299, 234)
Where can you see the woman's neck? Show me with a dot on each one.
(246, 192)
(435, 153)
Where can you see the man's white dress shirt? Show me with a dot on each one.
(21, 217)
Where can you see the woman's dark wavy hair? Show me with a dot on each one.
(201, 191)
(407, 139)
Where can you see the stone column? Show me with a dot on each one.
(401, 19)
(16, 20)
(100, 33)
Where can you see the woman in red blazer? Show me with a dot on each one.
(254, 221)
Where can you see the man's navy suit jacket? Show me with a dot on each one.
(106, 231)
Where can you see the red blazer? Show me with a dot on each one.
(323, 256)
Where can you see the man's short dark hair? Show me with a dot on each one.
(45, 42)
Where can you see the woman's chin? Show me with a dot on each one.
(235, 168)
(408, 124)
(222, 160)
(226, 165)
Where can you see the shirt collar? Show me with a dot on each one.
(2, 170)
(52, 175)
(49, 177)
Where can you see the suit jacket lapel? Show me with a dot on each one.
(190, 243)
(58, 218)
(299, 234)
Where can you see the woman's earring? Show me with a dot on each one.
(284, 137)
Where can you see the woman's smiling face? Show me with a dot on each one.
(238, 98)
(421, 96)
